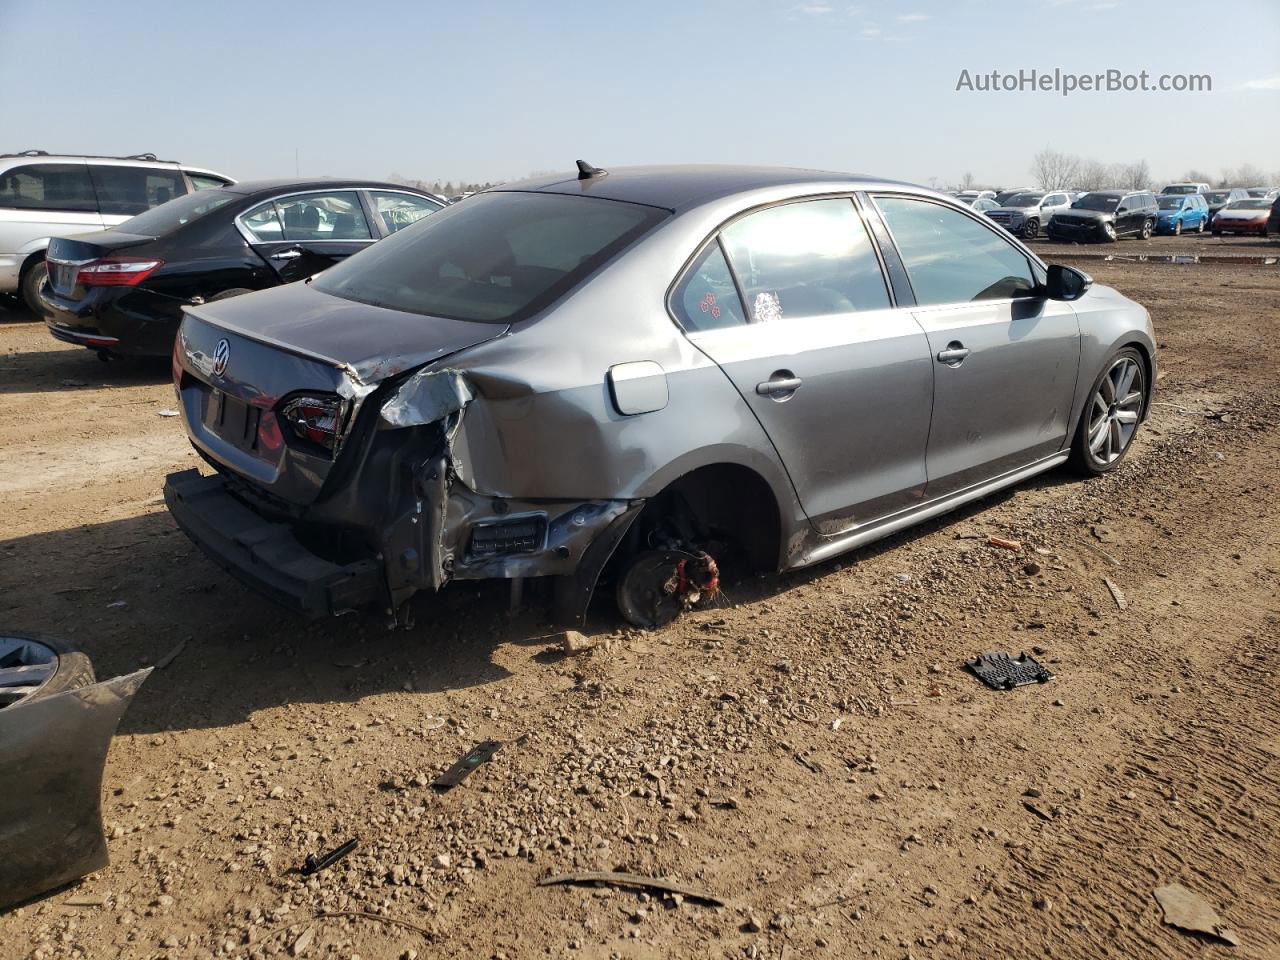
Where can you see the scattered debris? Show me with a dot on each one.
(1037, 811)
(1103, 534)
(54, 749)
(1000, 671)
(299, 946)
(1116, 594)
(364, 915)
(478, 754)
(118, 605)
(354, 663)
(434, 723)
(314, 864)
(835, 724)
(1031, 568)
(73, 383)
(167, 413)
(635, 880)
(87, 900)
(808, 764)
(172, 655)
(1004, 544)
(1188, 911)
(571, 641)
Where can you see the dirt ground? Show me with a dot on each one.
(812, 752)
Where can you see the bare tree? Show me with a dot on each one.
(1093, 175)
(1054, 170)
(967, 181)
(1196, 176)
(1134, 176)
(1246, 175)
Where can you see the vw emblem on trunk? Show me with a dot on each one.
(221, 354)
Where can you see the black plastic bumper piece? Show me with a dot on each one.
(263, 555)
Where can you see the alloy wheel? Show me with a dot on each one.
(25, 667)
(1114, 410)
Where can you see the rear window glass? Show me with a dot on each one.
(162, 220)
(48, 186)
(124, 191)
(496, 258)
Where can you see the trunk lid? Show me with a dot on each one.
(239, 362)
(66, 255)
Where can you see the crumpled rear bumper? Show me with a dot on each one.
(266, 556)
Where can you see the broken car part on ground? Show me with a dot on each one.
(647, 376)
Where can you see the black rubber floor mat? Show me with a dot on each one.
(999, 671)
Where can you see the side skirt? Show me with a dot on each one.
(818, 550)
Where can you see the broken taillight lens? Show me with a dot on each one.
(117, 271)
(314, 419)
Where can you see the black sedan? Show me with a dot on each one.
(121, 291)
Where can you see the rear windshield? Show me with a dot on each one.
(1248, 205)
(497, 258)
(1024, 200)
(168, 217)
(1170, 202)
(1217, 196)
(1106, 202)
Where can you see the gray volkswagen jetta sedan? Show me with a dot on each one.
(646, 379)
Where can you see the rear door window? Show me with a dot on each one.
(950, 257)
(323, 216)
(126, 191)
(706, 299)
(263, 222)
(400, 210)
(200, 181)
(48, 186)
(807, 259)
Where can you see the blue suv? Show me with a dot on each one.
(1179, 212)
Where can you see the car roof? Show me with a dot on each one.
(680, 187)
(251, 188)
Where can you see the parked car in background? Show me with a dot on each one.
(1263, 193)
(1181, 212)
(1187, 188)
(1217, 199)
(968, 196)
(1106, 215)
(1024, 214)
(1003, 196)
(983, 205)
(643, 374)
(1273, 219)
(1248, 216)
(42, 196)
(121, 291)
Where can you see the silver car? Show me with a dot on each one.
(651, 378)
(44, 196)
(1026, 214)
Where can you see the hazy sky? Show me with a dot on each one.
(494, 90)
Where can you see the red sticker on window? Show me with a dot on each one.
(708, 305)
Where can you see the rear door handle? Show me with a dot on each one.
(955, 352)
(290, 254)
(779, 387)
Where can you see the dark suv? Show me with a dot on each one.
(1106, 215)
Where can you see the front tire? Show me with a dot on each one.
(1112, 412)
(1200, 226)
(1177, 229)
(32, 277)
(1031, 229)
(1147, 227)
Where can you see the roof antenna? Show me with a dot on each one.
(587, 172)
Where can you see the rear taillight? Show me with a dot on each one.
(117, 271)
(314, 419)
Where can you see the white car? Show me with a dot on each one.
(44, 196)
(1187, 187)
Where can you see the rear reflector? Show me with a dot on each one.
(117, 271)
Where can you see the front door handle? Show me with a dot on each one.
(292, 253)
(954, 354)
(780, 386)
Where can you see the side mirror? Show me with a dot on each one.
(1066, 283)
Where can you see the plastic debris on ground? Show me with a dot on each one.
(1001, 671)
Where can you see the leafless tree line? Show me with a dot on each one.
(1055, 170)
